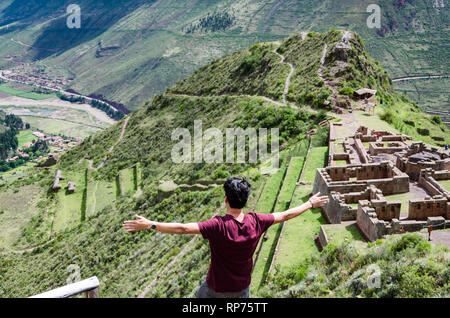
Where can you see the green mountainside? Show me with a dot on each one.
(127, 170)
(130, 51)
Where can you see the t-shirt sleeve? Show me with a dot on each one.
(209, 228)
(265, 220)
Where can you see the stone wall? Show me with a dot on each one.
(368, 223)
(323, 239)
(376, 148)
(361, 151)
(421, 209)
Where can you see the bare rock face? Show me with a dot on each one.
(424, 156)
(51, 161)
(343, 102)
(338, 53)
(338, 69)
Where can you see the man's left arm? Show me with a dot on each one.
(142, 223)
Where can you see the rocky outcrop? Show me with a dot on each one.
(50, 161)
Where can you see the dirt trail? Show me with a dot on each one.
(288, 79)
(285, 91)
(91, 162)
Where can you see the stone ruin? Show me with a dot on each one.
(56, 185)
(388, 166)
(418, 156)
(71, 187)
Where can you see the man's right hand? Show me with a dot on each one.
(318, 201)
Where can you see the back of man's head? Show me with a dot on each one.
(237, 191)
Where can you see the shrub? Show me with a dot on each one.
(407, 241)
(250, 63)
(409, 122)
(347, 91)
(388, 116)
(436, 119)
(221, 174)
(423, 131)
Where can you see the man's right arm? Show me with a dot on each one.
(314, 202)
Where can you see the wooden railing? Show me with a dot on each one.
(88, 286)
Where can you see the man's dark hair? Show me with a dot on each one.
(237, 191)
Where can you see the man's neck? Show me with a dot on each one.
(236, 213)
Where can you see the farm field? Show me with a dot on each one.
(60, 127)
(68, 211)
(316, 159)
(430, 94)
(25, 136)
(16, 210)
(126, 181)
(300, 231)
(266, 204)
(100, 194)
(297, 242)
(289, 183)
(14, 174)
(10, 90)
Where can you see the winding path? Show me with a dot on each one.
(285, 91)
(91, 162)
(288, 79)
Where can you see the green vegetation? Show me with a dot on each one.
(84, 228)
(18, 208)
(256, 71)
(25, 136)
(297, 243)
(401, 266)
(445, 184)
(337, 234)
(316, 159)
(270, 192)
(289, 183)
(341, 162)
(10, 90)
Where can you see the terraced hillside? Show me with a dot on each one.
(114, 53)
(119, 172)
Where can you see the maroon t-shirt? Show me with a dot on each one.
(232, 246)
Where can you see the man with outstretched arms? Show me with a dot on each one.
(233, 238)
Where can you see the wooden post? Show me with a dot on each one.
(92, 293)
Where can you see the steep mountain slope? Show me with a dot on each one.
(151, 264)
(114, 54)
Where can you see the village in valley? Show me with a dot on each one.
(57, 144)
